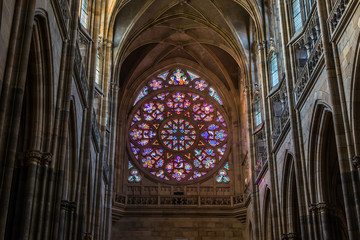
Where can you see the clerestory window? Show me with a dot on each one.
(296, 14)
(274, 70)
(84, 13)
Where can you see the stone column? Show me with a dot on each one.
(295, 127)
(315, 221)
(342, 142)
(323, 211)
(66, 219)
(11, 99)
(27, 184)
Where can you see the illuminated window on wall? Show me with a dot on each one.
(97, 74)
(296, 11)
(178, 129)
(84, 13)
(274, 71)
(257, 112)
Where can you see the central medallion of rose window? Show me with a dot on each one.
(178, 134)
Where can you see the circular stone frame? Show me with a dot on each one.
(149, 172)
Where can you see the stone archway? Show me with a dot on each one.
(327, 198)
(290, 206)
(33, 155)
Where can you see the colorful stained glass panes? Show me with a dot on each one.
(227, 166)
(130, 165)
(155, 84)
(178, 78)
(134, 176)
(200, 85)
(142, 94)
(163, 75)
(192, 76)
(178, 133)
(222, 177)
(214, 94)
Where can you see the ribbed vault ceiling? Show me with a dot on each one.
(211, 34)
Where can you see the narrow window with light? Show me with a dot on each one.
(84, 13)
(296, 15)
(274, 71)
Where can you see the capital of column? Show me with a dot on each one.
(288, 236)
(68, 206)
(322, 207)
(319, 207)
(88, 236)
(46, 159)
(32, 157)
(356, 161)
(261, 45)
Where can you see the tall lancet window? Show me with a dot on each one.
(84, 18)
(274, 70)
(296, 14)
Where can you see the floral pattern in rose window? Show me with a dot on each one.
(178, 133)
(222, 176)
(177, 77)
(134, 175)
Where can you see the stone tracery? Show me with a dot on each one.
(177, 133)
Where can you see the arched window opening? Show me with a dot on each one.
(257, 112)
(331, 185)
(84, 18)
(274, 70)
(296, 14)
(178, 130)
(98, 69)
(269, 231)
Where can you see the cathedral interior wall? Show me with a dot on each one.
(191, 228)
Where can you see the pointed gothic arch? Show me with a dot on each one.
(327, 197)
(35, 134)
(355, 97)
(290, 206)
(268, 233)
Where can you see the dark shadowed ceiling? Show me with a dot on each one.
(210, 34)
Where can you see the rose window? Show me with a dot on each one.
(178, 130)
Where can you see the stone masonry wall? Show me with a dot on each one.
(170, 228)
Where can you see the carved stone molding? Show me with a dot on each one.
(100, 46)
(337, 13)
(46, 159)
(88, 236)
(319, 207)
(272, 47)
(261, 45)
(238, 199)
(356, 161)
(288, 236)
(120, 199)
(68, 206)
(34, 157)
(190, 200)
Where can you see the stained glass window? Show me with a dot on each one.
(134, 175)
(178, 129)
(84, 13)
(274, 71)
(222, 176)
(178, 78)
(296, 11)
